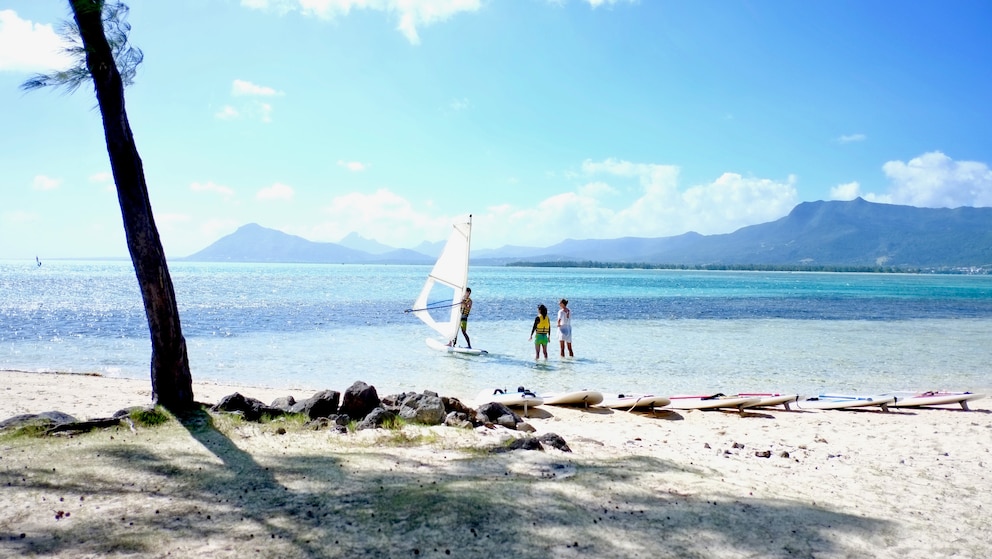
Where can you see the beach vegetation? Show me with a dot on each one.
(98, 43)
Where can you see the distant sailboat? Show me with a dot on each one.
(445, 286)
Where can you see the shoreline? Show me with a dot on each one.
(770, 483)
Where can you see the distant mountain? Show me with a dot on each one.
(254, 243)
(355, 241)
(852, 233)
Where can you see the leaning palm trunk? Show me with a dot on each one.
(172, 384)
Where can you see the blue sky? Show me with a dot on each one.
(545, 119)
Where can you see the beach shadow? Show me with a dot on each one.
(289, 500)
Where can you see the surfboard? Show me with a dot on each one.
(525, 399)
(438, 345)
(934, 398)
(634, 402)
(839, 402)
(713, 402)
(768, 400)
(576, 398)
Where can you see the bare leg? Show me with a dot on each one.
(570, 354)
(562, 343)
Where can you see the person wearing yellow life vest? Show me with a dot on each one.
(542, 327)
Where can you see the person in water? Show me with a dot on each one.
(542, 327)
(565, 327)
(466, 306)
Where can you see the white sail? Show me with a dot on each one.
(446, 284)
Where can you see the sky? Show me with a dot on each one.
(545, 119)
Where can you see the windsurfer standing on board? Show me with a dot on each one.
(466, 309)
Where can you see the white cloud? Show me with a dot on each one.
(412, 14)
(227, 112)
(935, 180)
(245, 88)
(225, 191)
(459, 105)
(597, 3)
(29, 47)
(353, 166)
(277, 191)
(612, 198)
(849, 138)
(848, 191)
(41, 182)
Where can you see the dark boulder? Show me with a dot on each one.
(321, 404)
(359, 399)
(252, 409)
(375, 419)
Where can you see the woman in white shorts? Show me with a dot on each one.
(565, 327)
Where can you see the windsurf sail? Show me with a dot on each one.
(439, 303)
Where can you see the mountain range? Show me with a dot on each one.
(854, 233)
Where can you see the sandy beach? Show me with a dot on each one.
(907, 483)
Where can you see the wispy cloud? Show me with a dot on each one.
(41, 182)
(211, 187)
(353, 166)
(241, 87)
(251, 108)
(277, 191)
(411, 15)
(851, 138)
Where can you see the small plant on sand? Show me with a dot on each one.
(150, 417)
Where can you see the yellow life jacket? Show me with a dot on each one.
(544, 325)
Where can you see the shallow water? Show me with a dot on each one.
(668, 332)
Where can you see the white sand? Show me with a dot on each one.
(908, 483)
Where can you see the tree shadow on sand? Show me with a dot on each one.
(208, 496)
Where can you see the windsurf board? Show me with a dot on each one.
(525, 399)
(767, 400)
(839, 402)
(920, 399)
(440, 346)
(713, 402)
(634, 402)
(576, 398)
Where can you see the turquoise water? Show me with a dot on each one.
(667, 332)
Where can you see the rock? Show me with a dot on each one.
(426, 408)
(359, 399)
(458, 419)
(46, 419)
(252, 409)
(523, 443)
(763, 453)
(285, 403)
(554, 441)
(321, 404)
(375, 419)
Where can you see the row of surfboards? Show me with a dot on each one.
(586, 398)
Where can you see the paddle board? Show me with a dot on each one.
(920, 399)
(525, 399)
(576, 398)
(634, 402)
(839, 402)
(768, 400)
(713, 402)
(438, 345)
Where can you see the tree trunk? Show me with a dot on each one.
(172, 384)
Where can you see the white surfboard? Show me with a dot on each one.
(576, 398)
(839, 402)
(525, 399)
(921, 399)
(440, 346)
(768, 400)
(634, 402)
(713, 402)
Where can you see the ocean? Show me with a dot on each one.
(312, 326)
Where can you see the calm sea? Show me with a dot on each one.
(664, 332)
